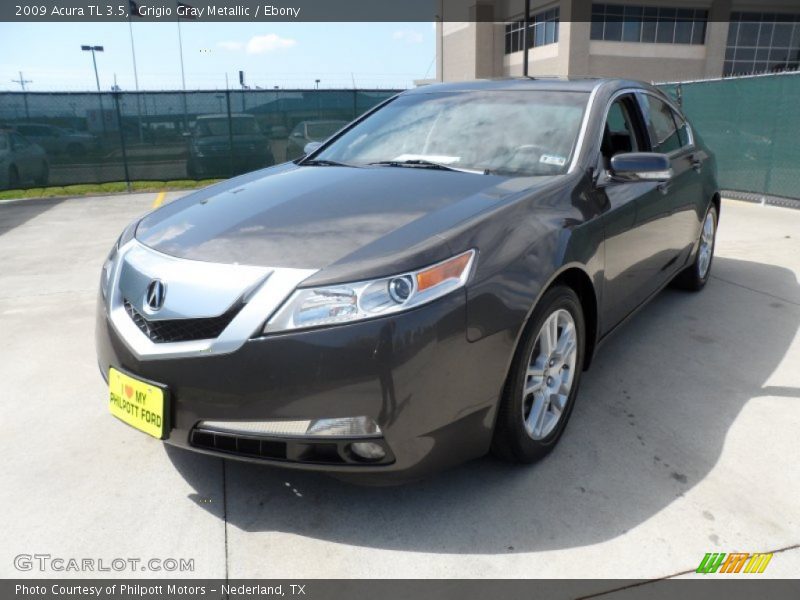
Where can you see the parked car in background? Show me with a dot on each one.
(21, 161)
(310, 131)
(217, 150)
(59, 140)
(427, 285)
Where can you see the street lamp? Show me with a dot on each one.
(94, 49)
(316, 83)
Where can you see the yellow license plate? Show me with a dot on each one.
(138, 403)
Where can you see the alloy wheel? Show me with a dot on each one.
(550, 374)
(706, 244)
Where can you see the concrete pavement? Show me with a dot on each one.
(683, 441)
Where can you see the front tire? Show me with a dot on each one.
(696, 275)
(544, 379)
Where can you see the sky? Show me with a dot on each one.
(289, 55)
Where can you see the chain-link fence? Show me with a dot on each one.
(73, 138)
(752, 124)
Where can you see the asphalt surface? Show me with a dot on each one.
(683, 441)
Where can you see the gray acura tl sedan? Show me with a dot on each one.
(425, 286)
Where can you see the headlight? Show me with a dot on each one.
(108, 266)
(332, 305)
(105, 276)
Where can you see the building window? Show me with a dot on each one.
(762, 43)
(648, 24)
(542, 30)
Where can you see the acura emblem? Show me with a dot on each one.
(156, 291)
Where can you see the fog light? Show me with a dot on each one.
(337, 427)
(368, 450)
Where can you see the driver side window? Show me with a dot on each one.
(621, 134)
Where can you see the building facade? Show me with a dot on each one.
(650, 40)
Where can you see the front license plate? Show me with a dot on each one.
(138, 403)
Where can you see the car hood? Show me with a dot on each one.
(349, 222)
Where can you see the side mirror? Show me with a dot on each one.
(310, 147)
(641, 166)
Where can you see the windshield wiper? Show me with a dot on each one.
(321, 162)
(422, 163)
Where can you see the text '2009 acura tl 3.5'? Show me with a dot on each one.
(426, 285)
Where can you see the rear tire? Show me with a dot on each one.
(695, 276)
(544, 379)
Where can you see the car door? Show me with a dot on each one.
(627, 249)
(668, 220)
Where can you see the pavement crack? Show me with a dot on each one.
(762, 292)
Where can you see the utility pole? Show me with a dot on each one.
(22, 81)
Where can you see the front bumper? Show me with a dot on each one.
(432, 393)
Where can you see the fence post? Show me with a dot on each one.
(122, 141)
(230, 131)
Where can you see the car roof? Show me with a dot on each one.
(545, 84)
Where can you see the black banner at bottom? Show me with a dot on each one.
(397, 589)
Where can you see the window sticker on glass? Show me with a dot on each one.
(551, 159)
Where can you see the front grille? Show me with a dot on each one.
(181, 330)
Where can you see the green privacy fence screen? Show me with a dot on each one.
(163, 136)
(752, 124)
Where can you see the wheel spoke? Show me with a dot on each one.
(536, 416)
(533, 384)
(566, 343)
(557, 404)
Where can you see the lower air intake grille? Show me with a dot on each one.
(181, 330)
(238, 444)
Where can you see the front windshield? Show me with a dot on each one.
(504, 132)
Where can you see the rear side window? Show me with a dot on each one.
(664, 132)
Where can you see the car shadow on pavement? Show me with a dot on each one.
(650, 423)
(14, 214)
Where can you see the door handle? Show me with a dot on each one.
(697, 163)
(664, 187)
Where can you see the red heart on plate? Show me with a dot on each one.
(128, 391)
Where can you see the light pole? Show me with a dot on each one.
(94, 49)
(316, 84)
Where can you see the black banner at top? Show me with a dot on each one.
(305, 10)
